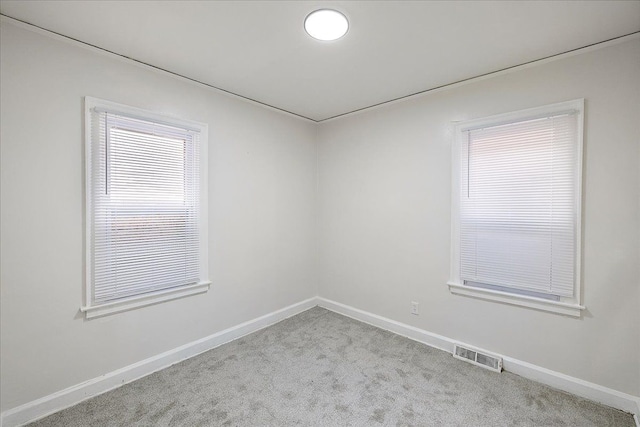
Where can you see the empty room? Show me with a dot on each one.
(320, 213)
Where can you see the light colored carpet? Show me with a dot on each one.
(323, 369)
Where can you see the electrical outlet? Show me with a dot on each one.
(414, 308)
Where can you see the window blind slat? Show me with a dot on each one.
(517, 205)
(144, 207)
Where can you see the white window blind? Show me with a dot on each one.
(519, 205)
(144, 206)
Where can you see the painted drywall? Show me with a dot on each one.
(384, 222)
(379, 218)
(262, 186)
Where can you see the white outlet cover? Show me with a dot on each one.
(414, 307)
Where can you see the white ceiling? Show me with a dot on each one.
(259, 49)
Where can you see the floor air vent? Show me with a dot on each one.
(479, 358)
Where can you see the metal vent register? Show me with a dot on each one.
(480, 358)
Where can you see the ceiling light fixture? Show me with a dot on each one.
(326, 24)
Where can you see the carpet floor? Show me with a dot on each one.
(319, 368)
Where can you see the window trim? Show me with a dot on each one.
(570, 306)
(142, 300)
(91, 309)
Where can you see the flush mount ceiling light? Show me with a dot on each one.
(326, 24)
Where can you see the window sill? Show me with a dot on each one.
(568, 309)
(143, 300)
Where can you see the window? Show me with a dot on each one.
(516, 208)
(146, 208)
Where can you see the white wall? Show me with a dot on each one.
(384, 227)
(262, 184)
(383, 205)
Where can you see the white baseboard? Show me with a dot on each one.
(576, 386)
(416, 334)
(55, 402)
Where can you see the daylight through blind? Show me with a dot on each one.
(518, 205)
(145, 206)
